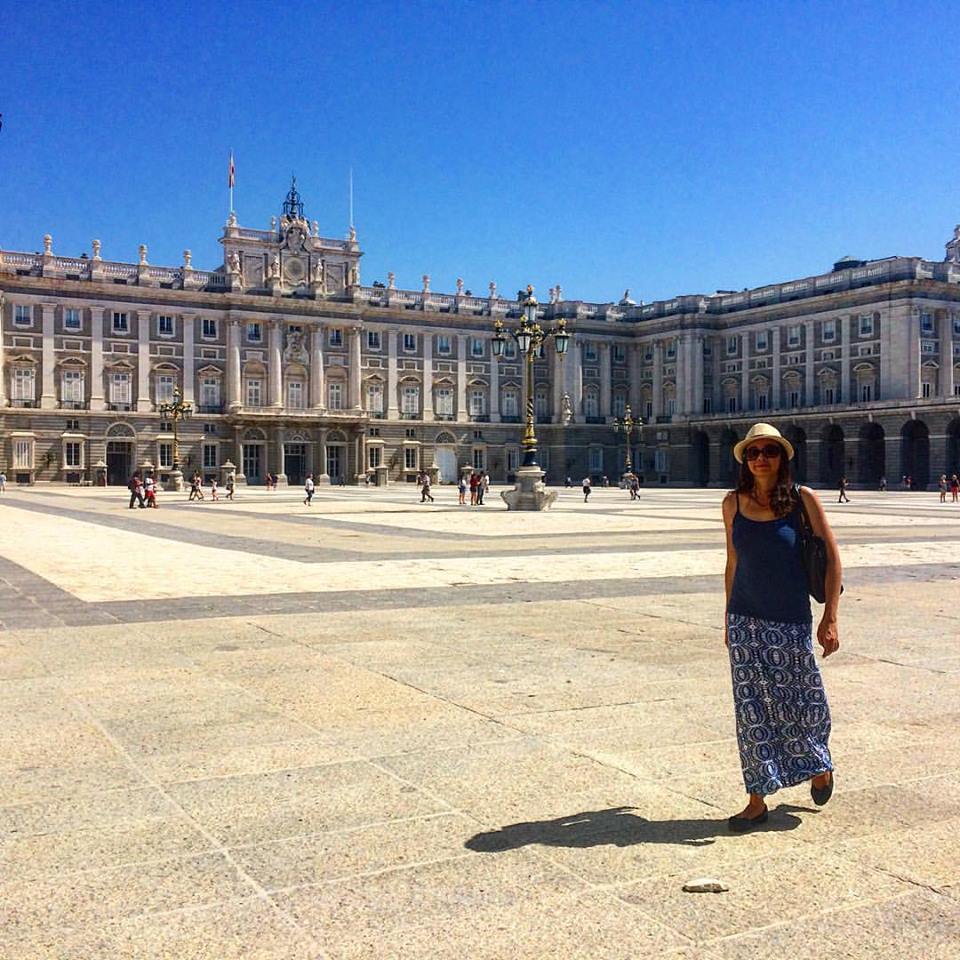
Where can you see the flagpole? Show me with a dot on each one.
(230, 179)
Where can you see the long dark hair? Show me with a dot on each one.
(781, 497)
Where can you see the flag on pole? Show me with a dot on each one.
(231, 173)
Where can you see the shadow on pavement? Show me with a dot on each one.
(619, 827)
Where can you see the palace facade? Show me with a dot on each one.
(292, 365)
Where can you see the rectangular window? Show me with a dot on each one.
(926, 389)
(210, 456)
(411, 457)
(374, 457)
(866, 392)
(295, 395)
(121, 322)
(335, 337)
(731, 404)
(671, 406)
(513, 459)
(335, 396)
(120, 388)
(866, 325)
(409, 342)
(829, 395)
(23, 315)
(956, 326)
(793, 336)
(443, 401)
(373, 339)
(793, 398)
(254, 393)
(762, 401)
(71, 319)
(619, 353)
(708, 404)
(510, 350)
(410, 399)
(72, 386)
(926, 323)
(478, 403)
(761, 341)
(671, 349)
(254, 333)
(443, 345)
(648, 410)
(508, 405)
(23, 454)
(73, 454)
(928, 346)
(476, 347)
(375, 398)
(23, 383)
(165, 454)
(829, 331)
(596, 459)
(165, 384)
(589, 351)
(164, 325)
(208, 328)
(479, 458)
(732, 345)
(619, 404)
(210, 392)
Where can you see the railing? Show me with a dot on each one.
(15, 260)
(120, 407)
(480, 417)
(509, 419)
(118, 271)
(210, 408)
(80, 265)
(409, 416)
(74, 405)
(26, 404)
(595, 419)
(164, 274)
(443, 416)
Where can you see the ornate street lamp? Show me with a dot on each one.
(625, 425)
(529, 336)
(176, 410)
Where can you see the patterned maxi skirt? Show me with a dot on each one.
(783, 720)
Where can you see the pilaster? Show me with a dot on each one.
(427, 386)
(946, 355)
(48, 394)
(353, 373)
(495, 388)
(3, 372)
(393, 409)
(188, 320)
(233, 372)
(462, 378)
(846, 362)
(96, 359)
(274, 365)
(657, 380)
(744, 371)
(317, 398)
(605, 377)
(808, 392)
(143, 361)
(776, 380)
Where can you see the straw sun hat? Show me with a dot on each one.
(762, 431)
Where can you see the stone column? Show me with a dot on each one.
(913, 345)
(716, 356)
(427, 377)
(657, 379)
(575, 378)
(274, 366)
(48, 394)
(605, 377)
(845, 360)
(321, 468)
(143, 361)
(238, 453)
(697, 402)
(634, 359)
(3, 372)
(353, 372)
(809, 395)
(744, 371)
(776, 380)
(494, 388)
(462, 378)
(279, 439)
(317, 399)
(233, 371)
(393, 409)
(96, 359)
(188, 320)
(946, 355)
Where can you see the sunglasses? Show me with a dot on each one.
(770, 451)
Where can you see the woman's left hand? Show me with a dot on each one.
(828, 636)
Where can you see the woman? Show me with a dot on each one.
(783, 720)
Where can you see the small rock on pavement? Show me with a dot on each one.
(704, 885)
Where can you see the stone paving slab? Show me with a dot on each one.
(517, 768)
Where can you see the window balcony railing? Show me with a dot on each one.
(121, 407)
(480, 417)
(409, 416)
(210, 408)
(378, 414)
(74, 405)
(443, 416)
(509, 418)
(544, 418)
(595, 419)
(664, 418)
(29, 404)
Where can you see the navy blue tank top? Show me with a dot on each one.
(770, 581)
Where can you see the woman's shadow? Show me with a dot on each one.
(618, 827)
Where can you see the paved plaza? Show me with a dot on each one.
(373, 728)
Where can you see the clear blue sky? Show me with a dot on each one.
(670, 148)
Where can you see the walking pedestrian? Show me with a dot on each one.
(196, 491)
(782, 715)
(883, 483)
(634, 487)
(568, 482)
(943, 488)
(462, 489)
(483, 484)
(213, 489)
(474, 480)
(425, 493)
(231, 485)
(3, 482)
(135, 487)
(954, 488)
(150, 491)
(308, 488)
(843, 498)
(587, 486)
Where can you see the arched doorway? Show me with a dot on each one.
(831, 455)
(953, 447)
(728, 469)
(915, 453)
(798, 438)
(295, 459)
(336, 457)
(445, 458)
(121, 454)
(873, 453)
(253, 458)
(700, 458)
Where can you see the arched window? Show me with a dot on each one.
(591, 402)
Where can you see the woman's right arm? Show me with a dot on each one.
(729, 511)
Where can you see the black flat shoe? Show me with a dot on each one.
(743, 824)
(822, 794)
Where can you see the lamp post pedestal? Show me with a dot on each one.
(530, 492)
(174, 481)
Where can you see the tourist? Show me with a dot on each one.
(474, 480)
(587, 486)
(136, 491)
(568, 482)
(605, 482)
(954, 488)
(150, 491)
(231, 485)
(943, 488)
(462, 489)
(634, 487)
(196, 491)
(425, 493)
(3, 482)
(213, 489)
(483, 484)
(843, 498)
(308, 489)
(883, 484)
(783, 720)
